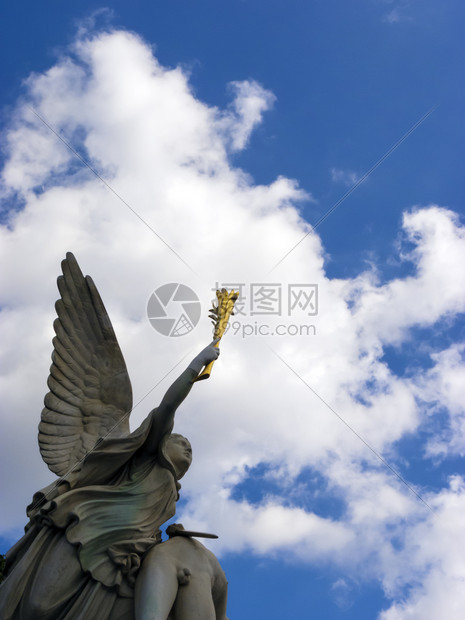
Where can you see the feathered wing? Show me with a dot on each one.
(90, 392)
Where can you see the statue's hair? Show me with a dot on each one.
(176, 436)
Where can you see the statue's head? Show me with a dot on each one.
(178, 450)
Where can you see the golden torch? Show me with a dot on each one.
(219, 314)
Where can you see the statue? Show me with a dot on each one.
(92, 547)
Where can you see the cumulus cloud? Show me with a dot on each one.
(443, 388)
(250, 101)
(431, 564)
(167, 155)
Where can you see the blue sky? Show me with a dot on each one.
(254, 120)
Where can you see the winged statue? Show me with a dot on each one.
(92, 547)
(90, 391)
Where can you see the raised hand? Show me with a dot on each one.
(207, 355)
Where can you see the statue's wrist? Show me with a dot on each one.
(196, 365)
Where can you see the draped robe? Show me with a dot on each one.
(88, 533)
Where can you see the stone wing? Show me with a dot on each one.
(90, 392)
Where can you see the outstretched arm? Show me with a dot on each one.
(163, 416)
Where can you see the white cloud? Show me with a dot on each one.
(341, 591)
(346, 177)
(432, 560)
(393, 16)
(400, 11)
(443, 386)
(166, 154)
(250, 101)
(436, 290)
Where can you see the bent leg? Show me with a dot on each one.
(194, 600)
(156, 586)
(219, 591)
(181, 576)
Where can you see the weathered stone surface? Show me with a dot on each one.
(92, 547)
